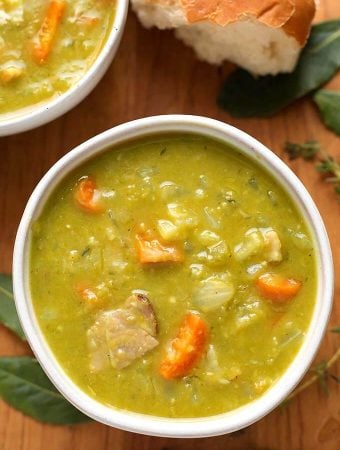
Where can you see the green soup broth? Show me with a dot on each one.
(220, 198)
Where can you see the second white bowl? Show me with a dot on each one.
(49, 110)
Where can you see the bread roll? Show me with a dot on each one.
(263, 36)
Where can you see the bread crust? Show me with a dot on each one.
(299, 24)
(293, 16)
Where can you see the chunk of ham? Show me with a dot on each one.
(120, 336)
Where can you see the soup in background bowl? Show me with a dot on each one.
(52, 53)
(173, 271)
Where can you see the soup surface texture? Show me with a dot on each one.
(172, 276)
(46, 47)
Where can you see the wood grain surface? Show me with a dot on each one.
(153, 73)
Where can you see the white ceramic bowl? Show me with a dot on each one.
(47, 111)
(208, 426)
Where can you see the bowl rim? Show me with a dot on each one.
(153, 425)
(44, 112)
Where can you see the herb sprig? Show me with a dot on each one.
(307, 150)
(312, 150)
(321, 372)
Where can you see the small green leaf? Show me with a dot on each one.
(243, 95)
(8, 313)
(335, 330)
(24, 385)
(329, 106)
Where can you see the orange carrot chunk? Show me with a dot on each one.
(277, 288)
(44, 39)
(152, 251)
(87, 196)
(186, 349)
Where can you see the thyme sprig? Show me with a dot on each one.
(321, 372)
(311, 150)
(307, 150)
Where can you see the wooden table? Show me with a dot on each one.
(154, 73)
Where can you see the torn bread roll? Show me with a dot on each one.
(263, 36)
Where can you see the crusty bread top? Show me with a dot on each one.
(299, 24)
(293, 16)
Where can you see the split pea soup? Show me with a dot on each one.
(172, 276)
(46, 47)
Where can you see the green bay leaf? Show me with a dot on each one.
(243, 95)
(24, 386)
(329, 106)
(8, 313)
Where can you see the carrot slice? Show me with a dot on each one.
(277, 288)
(152, 251)
(186, 349)
(45, 37)
(87, 196)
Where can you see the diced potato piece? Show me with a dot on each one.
(168, 230)
(272, 246)
(11, 70)
(215, 255)
(219, 253)
(15, 10)
(3, 15)
(207, 237)
(197, 270)
(169, 190)
(254, 269)
(181, 216)
(252, 244)
(247, 313)
(184, 219)
(264, 242)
